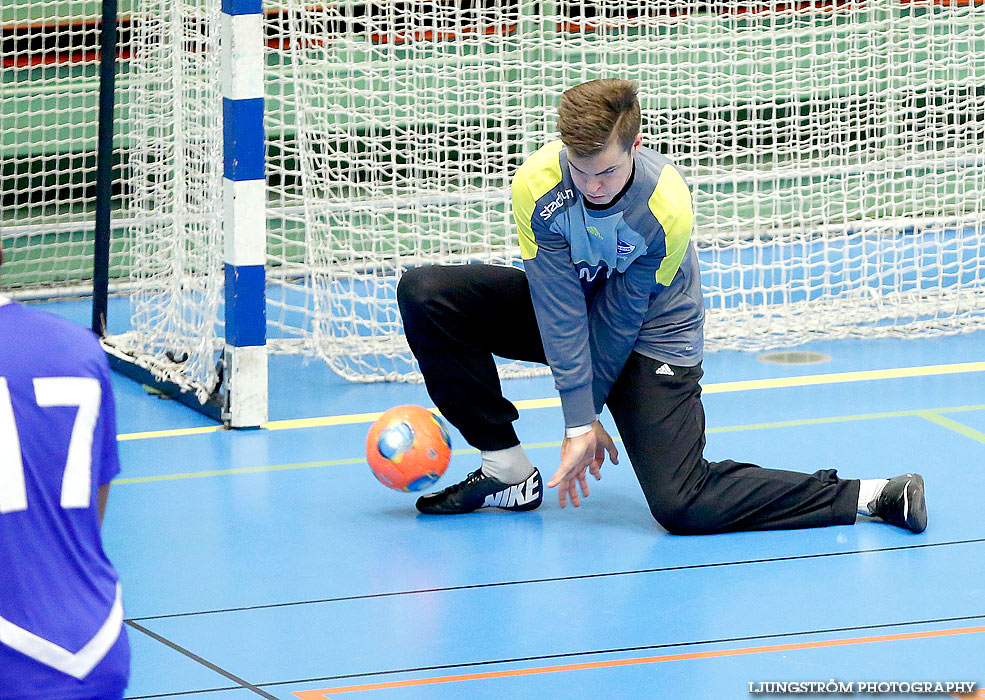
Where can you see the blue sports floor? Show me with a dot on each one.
(271, 563)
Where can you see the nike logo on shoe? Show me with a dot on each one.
(516, 495)
(479, 491)
(665, 369)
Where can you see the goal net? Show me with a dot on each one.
(48, 115)
(835, 149)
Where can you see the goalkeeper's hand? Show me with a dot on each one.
(578, 455)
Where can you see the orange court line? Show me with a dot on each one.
(980, 693)
(323, 693)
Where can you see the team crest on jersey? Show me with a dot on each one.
(623, 249)
(555, 204)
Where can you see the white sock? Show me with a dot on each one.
(509, 466)
(869, 490)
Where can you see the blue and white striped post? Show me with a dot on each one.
(245, 213)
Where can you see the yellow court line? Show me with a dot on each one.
(177, 432)
(712, 388)
(322, 421)
(954, 425)
(923, 413)
(841, 377)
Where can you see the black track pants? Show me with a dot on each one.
(457, 317)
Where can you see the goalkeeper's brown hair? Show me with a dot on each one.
(591, 114)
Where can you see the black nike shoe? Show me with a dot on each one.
(481, 491)
(902, 503)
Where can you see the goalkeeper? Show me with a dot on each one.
(610, 298)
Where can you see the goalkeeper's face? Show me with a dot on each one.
(601, 177)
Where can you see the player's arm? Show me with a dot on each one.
(621, 305)
(105, 450)
(562, 318)
(615, 322)
(102, 496)
(616, 319)
(559, 305)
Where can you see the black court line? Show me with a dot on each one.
(183, 693)
(623, 650)
(199, 659)
(557, 579)
(583, 654)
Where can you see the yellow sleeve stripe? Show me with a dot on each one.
(671, 205)
(538, 175)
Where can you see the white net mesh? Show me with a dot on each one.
(48, 110)
(404, 124)
(835, 150)
(834, 147)
(173, 189)
(837, 188)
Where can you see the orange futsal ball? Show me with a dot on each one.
(408, 448)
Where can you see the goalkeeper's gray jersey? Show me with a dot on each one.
(607, 282)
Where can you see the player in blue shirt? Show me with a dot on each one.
(61, 614)
(610, 298)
